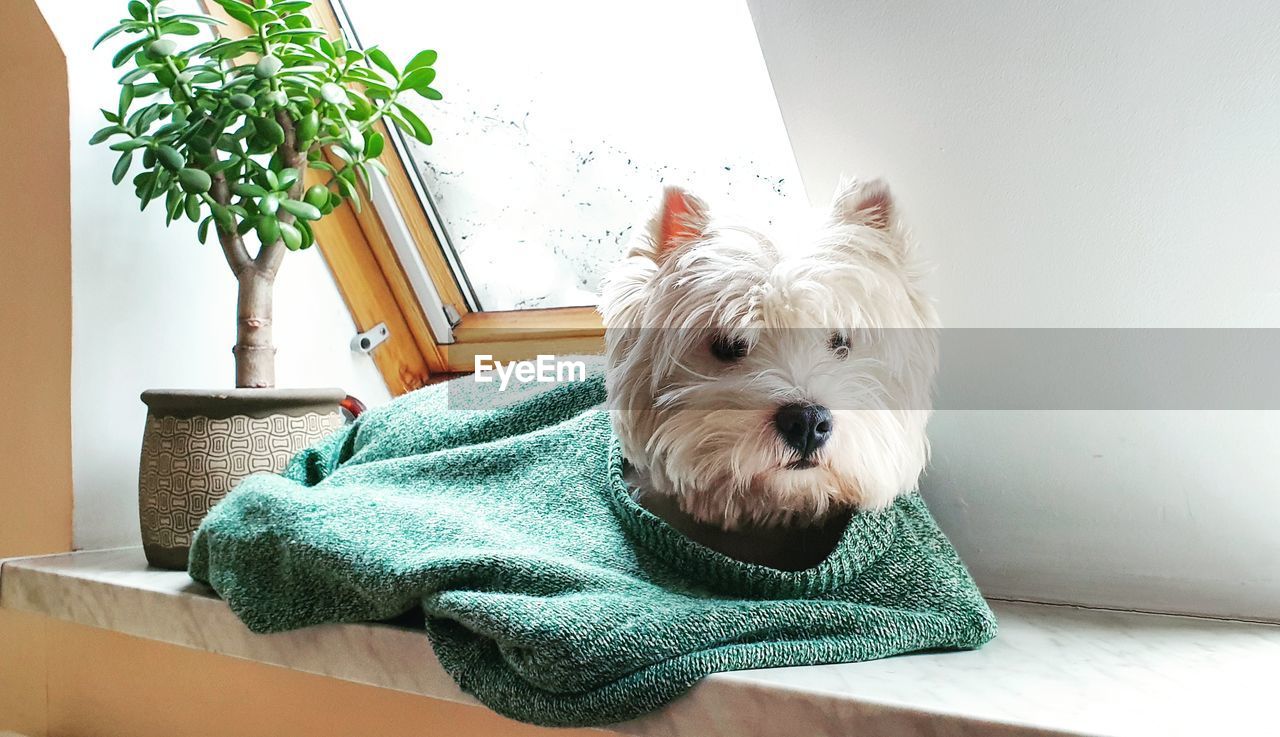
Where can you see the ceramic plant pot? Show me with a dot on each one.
(199, 444)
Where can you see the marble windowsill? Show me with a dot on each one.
(1053, 670)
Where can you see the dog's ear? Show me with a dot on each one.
(680, 219)
(864, 203)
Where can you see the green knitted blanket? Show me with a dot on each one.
(549, 593)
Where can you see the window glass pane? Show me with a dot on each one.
(561, 121)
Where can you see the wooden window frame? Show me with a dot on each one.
(377, 289)
(374, 284)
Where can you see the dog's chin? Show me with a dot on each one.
(800, 492)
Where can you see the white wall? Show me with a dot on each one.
(152, 308)
(1083, 164)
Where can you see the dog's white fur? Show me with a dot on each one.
(701, 429)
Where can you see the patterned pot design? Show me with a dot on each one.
(198, 445)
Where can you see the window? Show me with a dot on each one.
(558, 128)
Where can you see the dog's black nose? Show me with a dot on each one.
(805, 427)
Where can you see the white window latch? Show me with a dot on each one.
(372, 338)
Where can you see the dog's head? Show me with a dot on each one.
(772, 377)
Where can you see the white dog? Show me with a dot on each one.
(764, 378)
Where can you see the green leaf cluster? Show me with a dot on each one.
(223, 129)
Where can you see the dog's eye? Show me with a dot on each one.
(728, 349)
(838, 343)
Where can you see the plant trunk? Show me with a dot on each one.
(254, 351)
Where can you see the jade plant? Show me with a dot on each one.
(225, 129)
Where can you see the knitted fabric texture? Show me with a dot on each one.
(549, 594)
